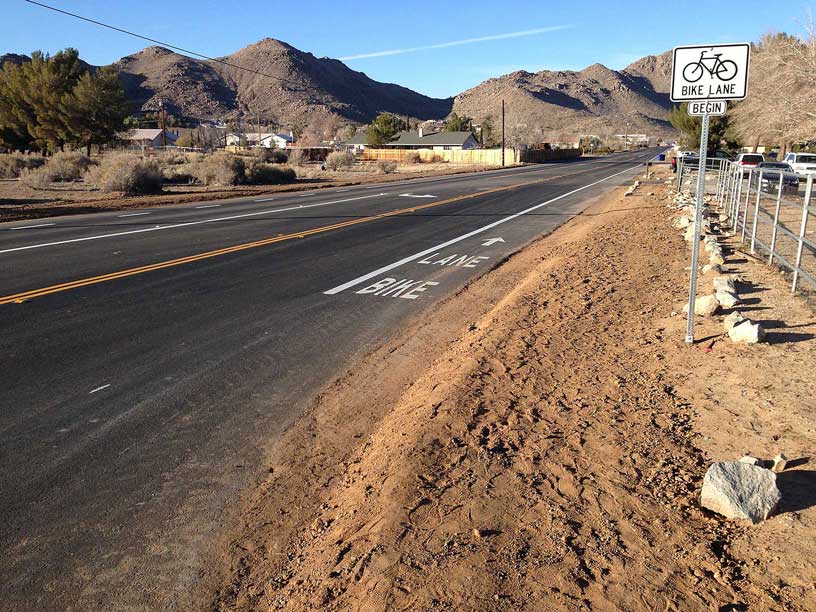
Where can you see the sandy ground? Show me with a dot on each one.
(539, 443)
(18, 201)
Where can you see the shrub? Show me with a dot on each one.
(295, 157)
(413, 158)
(180, 174)
(12, 165)
(339, 160)
(273, 156)
(128, 173)
(259, 173)
(220, 169)
(386, 167)
(61, 167)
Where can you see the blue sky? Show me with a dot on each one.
(614, 33)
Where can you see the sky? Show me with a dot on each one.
(437, 48)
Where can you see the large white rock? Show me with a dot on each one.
(716, 258)
(740, 491)
(704, 305)
(682, 222)
(712, 268)
(747, 331)
(724, 283)
(727, 299)
(735, 318)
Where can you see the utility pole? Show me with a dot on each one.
(161, 124)
(502, 132)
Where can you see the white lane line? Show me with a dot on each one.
(264, 199)
(98, 389)
(343, 190)
(209, 206)
(186, 224)
(438, 247)
(22, 227)
(133, 214)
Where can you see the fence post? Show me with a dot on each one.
(679, 174)
(738, 200)
(802, 230)
(747, 204)
(776, 218)
(756, 212)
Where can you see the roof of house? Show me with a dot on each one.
(446, 139)
(143, 134)
(358, 139)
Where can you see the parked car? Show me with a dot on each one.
(692, 159)
(749, 161)
(771, 173)
(803, 164)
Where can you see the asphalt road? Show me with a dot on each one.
(149, 357)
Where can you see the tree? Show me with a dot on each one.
(691, 128)
(95, 109)
(459, 124)
(383, 129)
(486, 131)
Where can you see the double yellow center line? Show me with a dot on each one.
(19, 298)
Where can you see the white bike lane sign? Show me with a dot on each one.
(706, 73)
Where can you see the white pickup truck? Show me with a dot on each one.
(803, 164)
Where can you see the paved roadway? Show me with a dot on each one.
(149, 357)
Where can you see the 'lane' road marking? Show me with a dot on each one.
(31, 226)
(179, 225)
(439, 247)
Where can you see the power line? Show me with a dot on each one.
(159, 42)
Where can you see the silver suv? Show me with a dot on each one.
(803, 164)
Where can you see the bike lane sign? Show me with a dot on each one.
(710, 72)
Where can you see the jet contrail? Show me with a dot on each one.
(456, 43)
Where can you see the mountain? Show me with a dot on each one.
(595, 100)
(285, 85)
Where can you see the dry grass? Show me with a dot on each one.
(339, 160)
(13, 164)
(127, 173)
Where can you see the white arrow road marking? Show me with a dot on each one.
(489, 226)
(490, 241)
(413, 195)
(180, 225)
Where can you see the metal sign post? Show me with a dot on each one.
(706, 76)
(698, 223)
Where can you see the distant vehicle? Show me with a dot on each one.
(749, 161)
(803, 164)
(771, 173)
(692, 158)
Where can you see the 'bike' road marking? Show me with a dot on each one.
(133, 215)
(19, 298)
(179, 225)
(31, 226)
(439, 247)
(406, 288)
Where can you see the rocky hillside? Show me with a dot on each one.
(290, 87)
(303, 86)
(595, 100)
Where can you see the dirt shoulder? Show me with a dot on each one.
(539, 444)
(19, 201)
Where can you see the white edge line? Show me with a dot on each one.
(410, 258)
(31, 226)
(99, 389)
(189, 223)
(209, 206)
(139, 214)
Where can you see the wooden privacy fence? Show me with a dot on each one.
(487, 157)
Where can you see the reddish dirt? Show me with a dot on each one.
(545, 452)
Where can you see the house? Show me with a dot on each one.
(149, 138)
(357, 142)
(440, 141)
(270, 140)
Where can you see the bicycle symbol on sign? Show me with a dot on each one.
(725, 70)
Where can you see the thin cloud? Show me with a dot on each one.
(456, 43)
